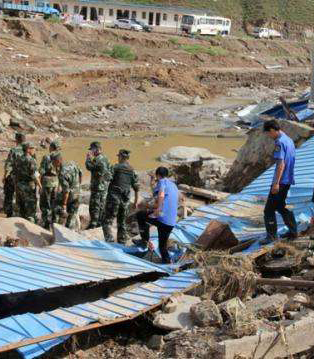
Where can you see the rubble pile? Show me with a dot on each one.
(21, 98)
(237, 316)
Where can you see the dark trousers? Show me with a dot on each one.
(164, 231)
(277, 203)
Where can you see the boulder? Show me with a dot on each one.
(217, 236)
(255, 156)
(19, 231)
(175, 97)
(206, 314)
(184, 154)
(5, 119)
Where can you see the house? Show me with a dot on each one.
(165, 17)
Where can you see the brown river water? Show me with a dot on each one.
(145, 150)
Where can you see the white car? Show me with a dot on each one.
(264, 33)
(127, 24)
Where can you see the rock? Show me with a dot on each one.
(16, 115)
(310, 261)
(291, 315)
(19, 229)
(302, 298)
(54, 119)
(180, 318)
(156, 342)
(217, 236)
(5, 119)
(197, 101)
(257, 154)
(175, 97)
(183, 154)
(265, 306)
(206, 314)
(15, 123)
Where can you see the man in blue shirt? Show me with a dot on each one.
(284, 156)
(164, 214)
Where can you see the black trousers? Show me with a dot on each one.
(164, 231)
(277, 203)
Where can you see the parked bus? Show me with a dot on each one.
(205, 25)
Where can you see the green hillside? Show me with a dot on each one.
(252, 11)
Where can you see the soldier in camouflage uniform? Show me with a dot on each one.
(70, 179)
(8, 178)
(118, 198)
(27, 179)
(49, 182)
(99, 166)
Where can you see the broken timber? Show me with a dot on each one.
(212, 195)
(285, 282)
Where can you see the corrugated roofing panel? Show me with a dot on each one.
(64, 264)
(126, 304)
(244, 211)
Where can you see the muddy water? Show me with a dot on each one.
(145, 150)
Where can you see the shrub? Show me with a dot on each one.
(121, 52)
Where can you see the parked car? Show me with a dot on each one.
(145, 27)
(127, 24)
(264, 33)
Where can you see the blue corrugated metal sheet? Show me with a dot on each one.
(244, 211)
(65, 264)
(122, 305)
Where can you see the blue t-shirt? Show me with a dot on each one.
(170, 205)
(285, 150)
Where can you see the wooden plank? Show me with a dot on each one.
(285, 283)
(201, 192)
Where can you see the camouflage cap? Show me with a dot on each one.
(55, 144)
(55, 156)
(95, 145)
(124, 153)
(19, 136)
(28, 145)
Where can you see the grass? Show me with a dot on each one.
(121, 52)
(54, 19)
(174, 40)
(199, 49)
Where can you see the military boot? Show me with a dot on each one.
(107, 231)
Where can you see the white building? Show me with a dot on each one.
(165, 17)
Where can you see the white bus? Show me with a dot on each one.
(205, 25)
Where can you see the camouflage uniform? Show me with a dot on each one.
(118, 200)
(26, 174)
(100, 177)
(9, 183)
(49, 182)
(69, 181)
